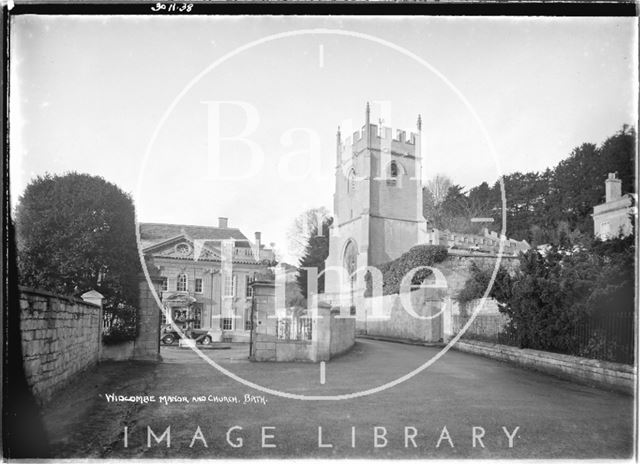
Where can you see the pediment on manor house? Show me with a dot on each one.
(182, 247)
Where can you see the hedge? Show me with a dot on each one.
(394, 271)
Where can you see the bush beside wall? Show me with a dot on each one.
(394, 271)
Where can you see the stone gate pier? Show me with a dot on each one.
(276, 336)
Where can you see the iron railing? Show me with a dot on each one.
(609, 337)
(294, 328)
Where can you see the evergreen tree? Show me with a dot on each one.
(75, 233)
(315, 254)
(543, 207)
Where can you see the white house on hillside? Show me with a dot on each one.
(613, 217)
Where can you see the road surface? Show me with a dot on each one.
(463, 406)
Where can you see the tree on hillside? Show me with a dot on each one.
(543, 207)
(75, 233)
(482, 198)
(618, 155)
(578, 181)
(572, 196)
(459, 207)
(526, 196)
(454, 209)
(315, 254)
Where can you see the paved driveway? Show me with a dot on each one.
(555, 418)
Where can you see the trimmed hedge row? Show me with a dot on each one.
(394, 271)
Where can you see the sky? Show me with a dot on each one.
(201, 117)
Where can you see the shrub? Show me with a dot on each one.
(123, 327)
(477, 283)
(394, 271)
(557, 292)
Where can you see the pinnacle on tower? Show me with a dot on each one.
(419, 122)
(367, 115)
(338, 143)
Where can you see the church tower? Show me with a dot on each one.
(377, 203)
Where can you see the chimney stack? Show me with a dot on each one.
(613, 187)
(257, 246)
(223, 222)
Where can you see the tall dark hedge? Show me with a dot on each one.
(76, 232)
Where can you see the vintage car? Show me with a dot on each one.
(169, 336)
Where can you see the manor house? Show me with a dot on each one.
(206, 273)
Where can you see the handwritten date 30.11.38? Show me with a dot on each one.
(172, 7)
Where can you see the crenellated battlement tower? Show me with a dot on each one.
(377, 203)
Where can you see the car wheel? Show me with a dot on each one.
(206, 340)
(168, 339)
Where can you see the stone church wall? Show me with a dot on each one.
(439, 304)
(391, 319)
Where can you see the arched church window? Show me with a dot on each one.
(393, 170)
(351, 258)
(352, 181)
(350, 263)
(392, 174)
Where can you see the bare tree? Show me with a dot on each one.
(438, 186)
(307, 223)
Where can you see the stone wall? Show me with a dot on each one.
(61, 336)
(386, 316)
(118, 352)
(614, 376)
(268, 348)
(456, 267)
(331, 336)
(343, 334)
(147, 343)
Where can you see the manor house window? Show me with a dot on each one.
(165, 284)
(247, 319)
(230, 285)
(198, 285)
(196, 315)
(227, 323)
(248, 289)
(181, 285)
